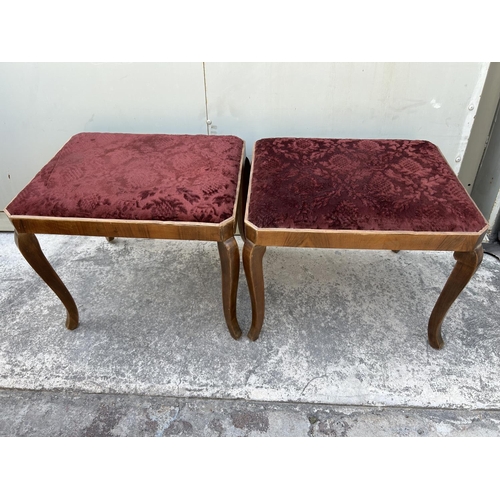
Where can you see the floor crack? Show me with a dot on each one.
(312, 380)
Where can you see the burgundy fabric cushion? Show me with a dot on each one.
(386, 185)
(137, 176)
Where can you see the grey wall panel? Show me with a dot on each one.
(378, 100)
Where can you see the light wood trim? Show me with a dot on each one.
(376, 240)
(123, 228)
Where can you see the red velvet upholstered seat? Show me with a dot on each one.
(155, 177)
(347, 184)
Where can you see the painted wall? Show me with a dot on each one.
(43, 104)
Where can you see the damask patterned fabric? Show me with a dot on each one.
(385, 185)
(137, 177)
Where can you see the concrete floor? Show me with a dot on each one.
(343, 351)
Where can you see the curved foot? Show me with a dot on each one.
(230, 264)
(396, 251)
(466, 266)
(30, 248)
(110, 238)
(252, 262)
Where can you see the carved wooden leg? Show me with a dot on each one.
(396, 251)
(466, 266)
(230, 264)
(30, 248)
(252, 262)
(110, 238)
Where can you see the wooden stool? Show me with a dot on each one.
(184, 187)
(360, 194)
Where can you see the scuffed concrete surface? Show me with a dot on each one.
(341, 328)
(26, 413)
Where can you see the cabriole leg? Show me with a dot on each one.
(230, 264)
(466, 266)
(252, 262)
(30, 249)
